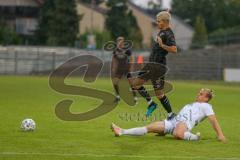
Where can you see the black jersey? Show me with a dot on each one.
(122, 56)
(158, 54)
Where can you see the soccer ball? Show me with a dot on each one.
(28, 125)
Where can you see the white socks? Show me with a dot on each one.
(140, 131)
(170, 114)
(191, 137)
(135, 131)
(135, 98)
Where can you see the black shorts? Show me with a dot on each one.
(120, 70)
(154, 72)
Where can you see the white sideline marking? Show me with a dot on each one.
(112, 155)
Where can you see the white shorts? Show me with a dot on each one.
(170, 125)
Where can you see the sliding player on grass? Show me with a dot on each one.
(181, 125)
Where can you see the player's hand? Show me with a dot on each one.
(159, 40)
(222, 138)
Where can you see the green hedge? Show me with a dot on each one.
(225, 36)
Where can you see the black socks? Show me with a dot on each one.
(143, 92)
(166, 104)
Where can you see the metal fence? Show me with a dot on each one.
(37, 60)
(192, 64)
(208, 64)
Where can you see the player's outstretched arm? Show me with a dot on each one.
(213, 120)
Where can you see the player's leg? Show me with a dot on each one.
(115, 81)
(134, 95)
(129, 76)
(137, 84)
(181, 132)
(158, 87)
(145, 74)
(155, 127)
(115, 76)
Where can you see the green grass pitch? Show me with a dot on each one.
(31, 97)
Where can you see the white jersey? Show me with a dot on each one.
(194, 113)
(191, 114)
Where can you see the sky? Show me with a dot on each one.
(166, 3)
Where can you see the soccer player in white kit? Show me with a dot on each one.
(181, 125)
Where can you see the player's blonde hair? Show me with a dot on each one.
(164, 15)
(209, 92)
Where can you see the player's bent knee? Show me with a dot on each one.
(160, 96)
(179, 131)
(137, 82)
(135, 87)
(178, 135)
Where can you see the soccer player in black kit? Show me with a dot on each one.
(121, 65)
(164, 43)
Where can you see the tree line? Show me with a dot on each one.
(214, 21)
(59, 22)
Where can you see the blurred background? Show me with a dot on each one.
(36, 36)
